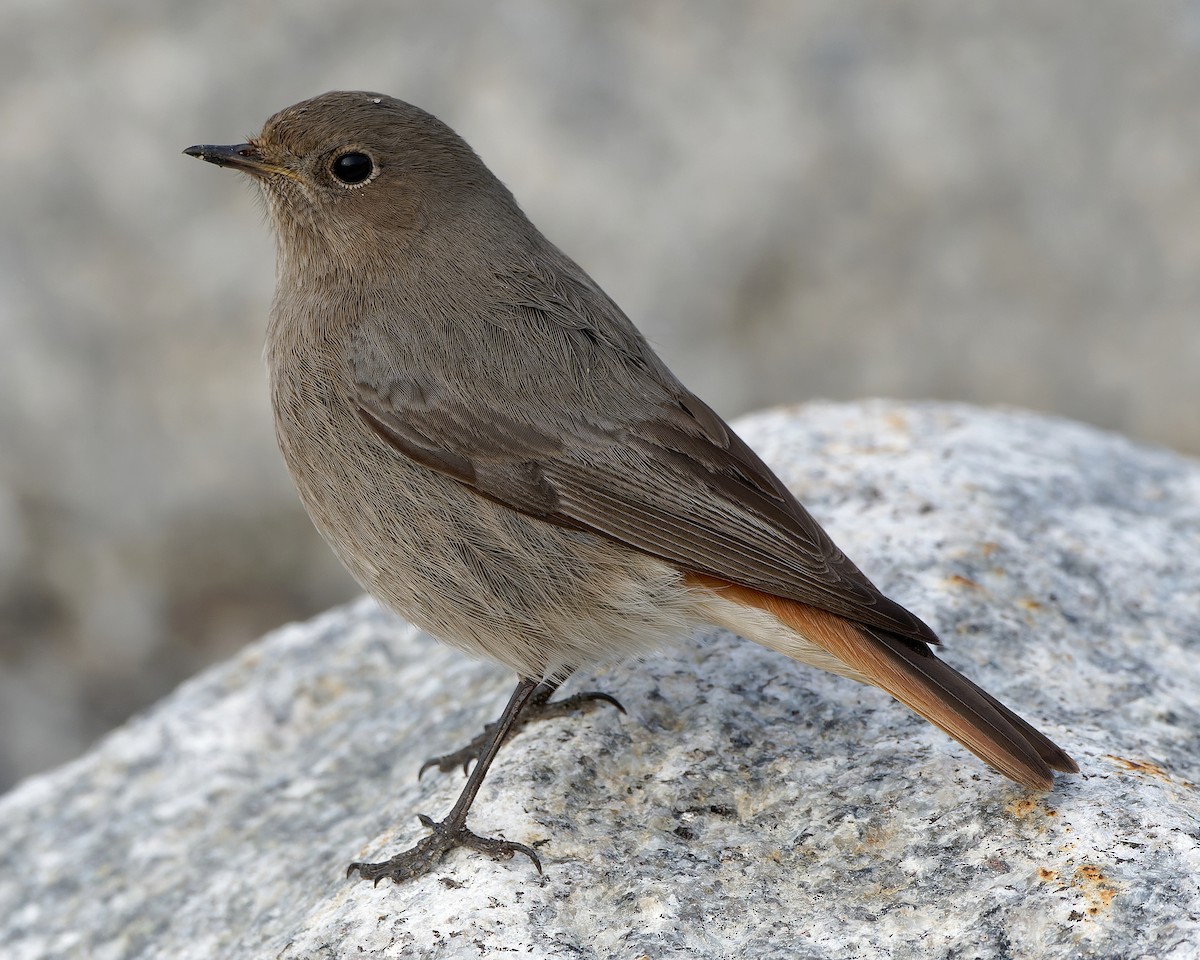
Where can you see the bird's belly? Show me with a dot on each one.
(538, 598)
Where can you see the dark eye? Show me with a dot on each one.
(353, 168)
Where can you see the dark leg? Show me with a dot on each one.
(540, 707)
(452, 832)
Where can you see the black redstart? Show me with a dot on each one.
(494, 451)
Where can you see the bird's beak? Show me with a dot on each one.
(241, 156)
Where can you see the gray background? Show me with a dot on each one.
(991, 202)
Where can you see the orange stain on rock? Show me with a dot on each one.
(1146, 768)
(1022, 806)
(1096, 887)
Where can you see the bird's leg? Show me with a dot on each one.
(452, 831)
(539, 707)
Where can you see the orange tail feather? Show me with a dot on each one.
(918, 679)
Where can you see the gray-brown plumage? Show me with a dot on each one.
(493, 449)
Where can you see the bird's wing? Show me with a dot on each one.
(601, 437)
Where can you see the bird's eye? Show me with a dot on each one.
(353, 168)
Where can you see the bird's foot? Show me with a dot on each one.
(542, 709)
(421, 859)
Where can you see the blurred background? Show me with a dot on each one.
(996, 202)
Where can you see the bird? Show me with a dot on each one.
(495, 452)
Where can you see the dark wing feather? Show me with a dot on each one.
(605, 439)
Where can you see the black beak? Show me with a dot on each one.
(241, 156)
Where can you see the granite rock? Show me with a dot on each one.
(746, 806)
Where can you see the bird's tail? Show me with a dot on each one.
(913, 675)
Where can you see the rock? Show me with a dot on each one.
(746, 806)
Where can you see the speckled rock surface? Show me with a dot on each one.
(746, 806)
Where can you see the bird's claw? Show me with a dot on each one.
(421, 858)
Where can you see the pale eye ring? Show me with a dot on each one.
(352, 168)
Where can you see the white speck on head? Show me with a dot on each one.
(377, 99)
